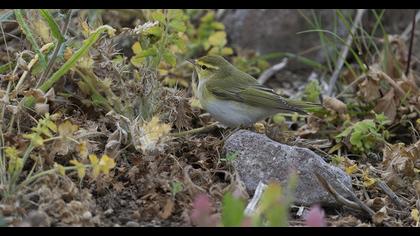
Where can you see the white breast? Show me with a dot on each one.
(232, 113)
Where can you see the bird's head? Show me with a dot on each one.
(210, 65)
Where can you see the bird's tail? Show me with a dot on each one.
(304, 107)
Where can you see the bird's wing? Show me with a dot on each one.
(250, 92)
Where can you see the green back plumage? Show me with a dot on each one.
(233, 84)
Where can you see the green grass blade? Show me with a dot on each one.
(29, 102)
(76, 56)
(55, 29)
(6, 15)
(309, 62)
(351, 50)
(6, 67)
(29, 36)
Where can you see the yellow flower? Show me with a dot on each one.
(60, 169)
(81, 170)
(95, 165)
(106, 164)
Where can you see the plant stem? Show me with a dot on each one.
(410, 50)
(345, 51)
(57, 49)
(16, 174)
(47, 172)
(194, 131)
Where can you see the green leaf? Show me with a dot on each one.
(7, 67)
(35, 138)
(169, 58)
(180, 44)
(55, 29)
(274, 210)
(29, 36)
(356, 139)
(137, 60)
(226, 51)
(218, 39)
(29, 101)
(148, 52)
(177, 26)
(98, 100)
(217, 26)
(159, 16)
(233, 211)
(345, 133)
(155, 31)
(208, 17)
(312, 91)
(176, 187)
(175, 14)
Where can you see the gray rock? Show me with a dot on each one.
(277, 30)
(132, 224)
(262, 159)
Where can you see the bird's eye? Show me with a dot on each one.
(203, 67)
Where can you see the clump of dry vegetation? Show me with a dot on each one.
(97, 108)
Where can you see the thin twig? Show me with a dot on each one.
(5, 43)
(345, 50)
(335, 194)
(195, 131)
(359, 202)
(252, 205)
(8, 35)
(408, 29)
(398, 88)
(410, 49)
(394, 198)
(272, 70)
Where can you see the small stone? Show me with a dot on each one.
(136, 215)
(7, 210)
(109, 212)
(87, 215)
(259, 158)
(37, 218)
(132, 224)
(42, 108)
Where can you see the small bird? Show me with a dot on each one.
(235, 98)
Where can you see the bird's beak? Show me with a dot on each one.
(191, 61)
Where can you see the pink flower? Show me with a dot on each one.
(201, 214)
(315, 217)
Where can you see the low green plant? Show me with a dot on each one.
(176, 187)
(312, 91)
(365, 135)
(42, 134)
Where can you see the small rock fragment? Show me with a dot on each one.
(132, 224)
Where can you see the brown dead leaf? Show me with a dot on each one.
(369, 88)
(387, 105)
(380, 216)
(118, 187)
(409, 86)
(37, 94)
(167, 209)
(376, 204)
(416, 185)
(399, 160)
(132, 173)
(334, 104)
(394, 56)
